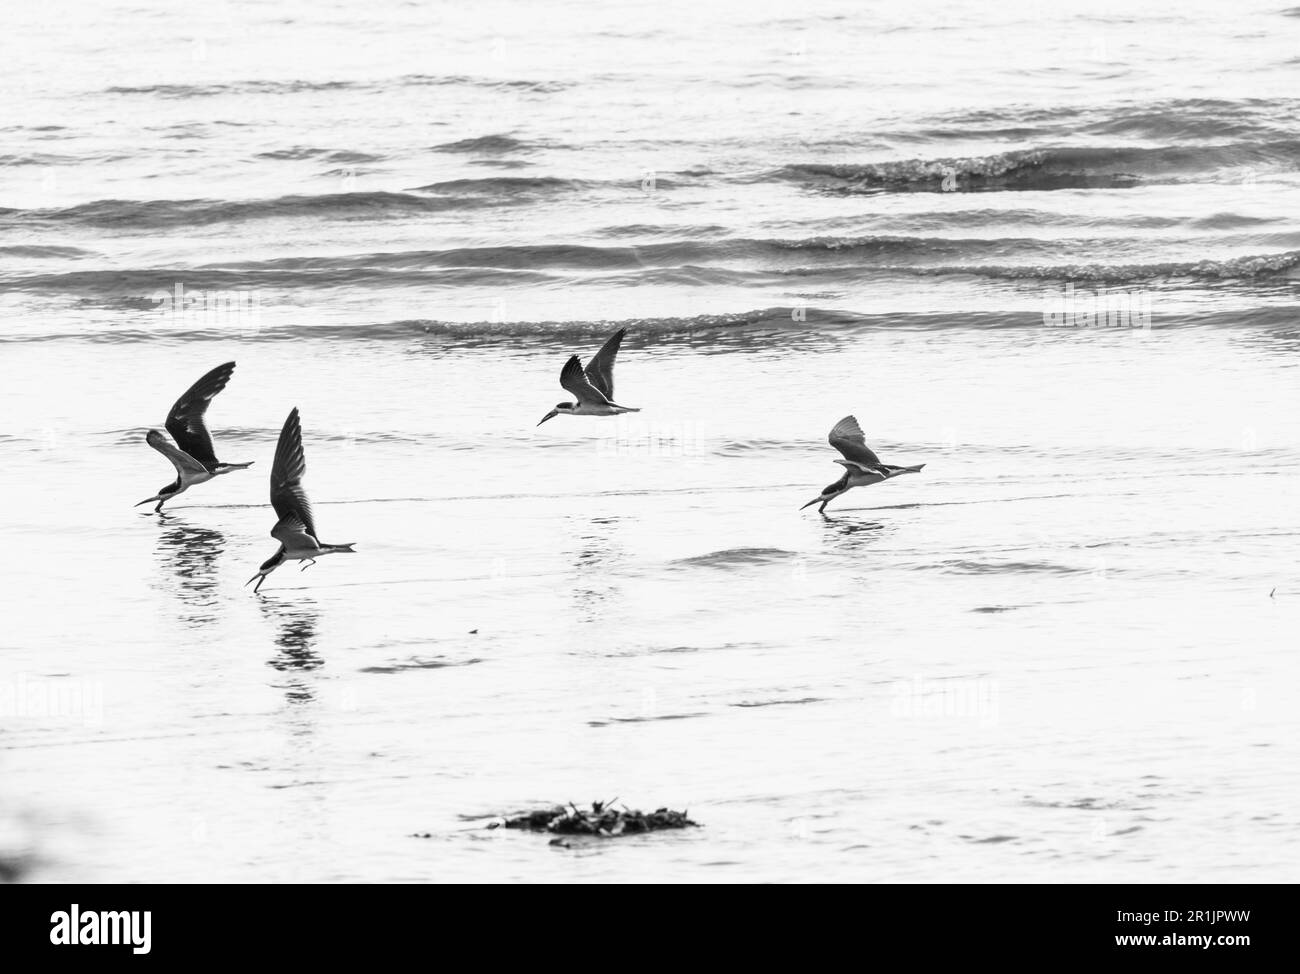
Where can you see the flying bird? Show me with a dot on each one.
(862, 467)
(192, 456)
(296, 529)
(593, 387)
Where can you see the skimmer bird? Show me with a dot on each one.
(862, 467)
(296, 529)
(192, 456)
(592, 387)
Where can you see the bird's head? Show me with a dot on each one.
(268, 566)
(164, 492)
(560, 407)
(830, 490)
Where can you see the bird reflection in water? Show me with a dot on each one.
(187, 557)
(296, 620)
(847, 535)
(595, 560)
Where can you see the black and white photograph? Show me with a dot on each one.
(647, 441)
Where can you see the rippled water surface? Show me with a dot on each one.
(1065, 651)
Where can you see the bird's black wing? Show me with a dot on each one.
(287, 494)
(847, 437)
(600, 370)
(575, 381)
(185, 421)
(186, 465)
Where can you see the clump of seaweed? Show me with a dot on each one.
(603, 821)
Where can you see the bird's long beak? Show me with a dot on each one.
(815, 500)
(551, 415)
(147, 500)
(261, 577)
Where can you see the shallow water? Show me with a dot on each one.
(1060, 653)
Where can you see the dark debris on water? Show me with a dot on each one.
(602, 821)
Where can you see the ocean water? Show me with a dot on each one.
(1065, 651)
